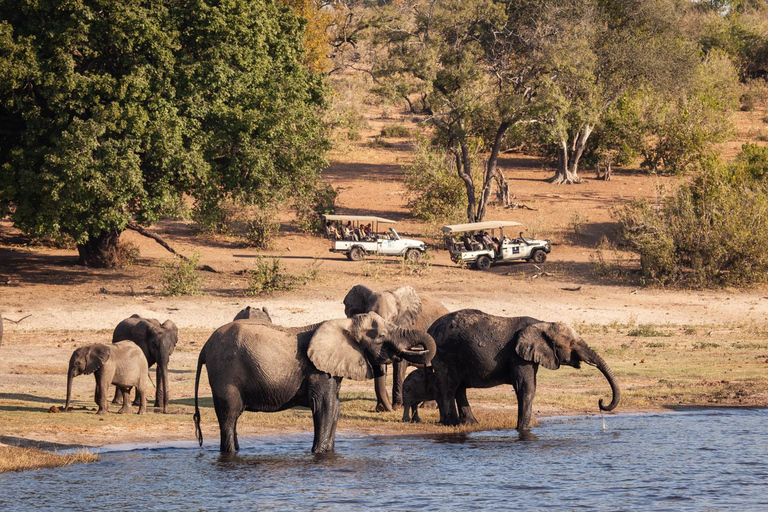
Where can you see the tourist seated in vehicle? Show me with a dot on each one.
(331, 231)
(368, 231)
(349, 232)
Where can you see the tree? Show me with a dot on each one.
(112, 111)
(598, 52)
(471, 67)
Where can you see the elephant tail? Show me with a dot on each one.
(196, 416)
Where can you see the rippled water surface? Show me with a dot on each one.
(714, 459)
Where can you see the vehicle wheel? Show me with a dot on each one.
(539, 256)
(412, 255)
(356, 254)
(483, 263)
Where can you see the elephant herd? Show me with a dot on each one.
(256, 365)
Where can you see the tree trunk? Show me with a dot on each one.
(99, 250)
(568, 158)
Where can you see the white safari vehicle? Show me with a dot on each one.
(359, 235)
(476, 245)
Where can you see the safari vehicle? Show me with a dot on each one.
(359, 235)
(474, 245)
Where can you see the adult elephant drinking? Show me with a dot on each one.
(157, 341)
(262, 367)
(478, 350)
(403, 307)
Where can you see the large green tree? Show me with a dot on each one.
(111, 111)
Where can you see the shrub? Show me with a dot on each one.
(180, 277)
(395, 130)
(311, 208)
(261, 230)
(121, 255)
(269, 276)
(435, 191)
(713, 231)
(213, 217)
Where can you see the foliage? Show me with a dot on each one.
(112, 111)
(736, 27)
(712, 232)
(215, 216)
(434, 188)
(181, 278)
(311, 208)
(682, 130)
(261, 229)
(396, 130)
(269, 276)
(319, 16)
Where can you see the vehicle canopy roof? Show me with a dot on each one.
(480, 226)
(358, 218)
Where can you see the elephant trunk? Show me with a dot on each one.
(70, 376)
(595, 360)
(414, 346)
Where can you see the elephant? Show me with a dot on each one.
(408, 310)
(478, 350)
(418, 387)
(157, 341)
(267, 368)
(122, 364)
(250, 313)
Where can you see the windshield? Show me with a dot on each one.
(394, 234)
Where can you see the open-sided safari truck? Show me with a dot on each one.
(481, 244)
(359, 235)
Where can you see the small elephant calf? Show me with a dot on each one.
(418, 387)
(122, 364)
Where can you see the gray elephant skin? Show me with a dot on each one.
(268, 368)
(122, 364)
(478, 350)
(418, 387)
(254, 314)
(157, 341)
(407, 309)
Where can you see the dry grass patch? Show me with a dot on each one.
(13, 458)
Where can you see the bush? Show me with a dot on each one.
(435, 191)
(395, 130)
(311, 208)
(269, 276)
(712, 232)
(213, 217)
(261, 230)
(180, 277)
(125, 253)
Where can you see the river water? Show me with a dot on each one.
(697, 459)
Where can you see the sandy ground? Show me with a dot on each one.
(64, 306)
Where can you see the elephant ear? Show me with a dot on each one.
(533, 344)
(357, 300)
(334, 350)
(172, 331)
(408, 307)
(95, 358)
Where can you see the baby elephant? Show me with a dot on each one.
(418, 387)
(122, 364)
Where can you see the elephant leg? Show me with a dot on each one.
(118, 396)
(380, 386)
(398, 376)
(465, 412)
(141, 397)
(102, 386)
(524, 382)
(126, 392)
(446, 401)
(228, 406)
(324, 402)
(415, 413)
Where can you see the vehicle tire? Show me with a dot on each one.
(356, 254)
(538, 256)
(412, 255)
(483, 263)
